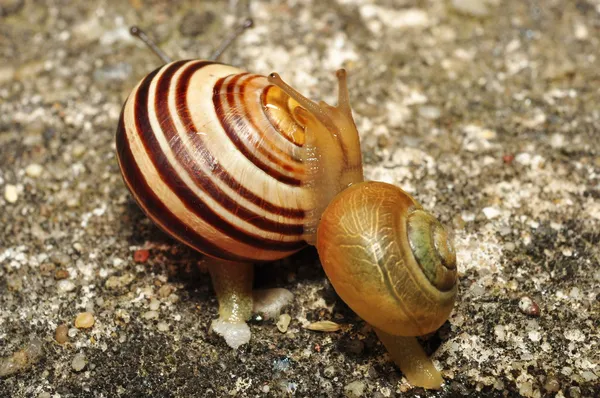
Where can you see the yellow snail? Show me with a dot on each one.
(243, 168)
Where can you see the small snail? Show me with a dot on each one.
(244, 169)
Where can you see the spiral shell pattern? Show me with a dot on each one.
(206, 151)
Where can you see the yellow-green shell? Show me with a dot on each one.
(388, 259)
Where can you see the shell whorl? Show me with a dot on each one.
(200, 152)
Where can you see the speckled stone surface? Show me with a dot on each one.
(488, 112)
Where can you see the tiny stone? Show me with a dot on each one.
(60, 259)
(141, 256)
(84, 320)
(116, 282)
(329, 372)
(10, 193)
(47, 268)
(354, 389)
(430, 112)
(14, 283)
(34, 170)
(44, 394)
(269, 302)
(574, 392)
(154, 304)
(78, 363)
(78, 150)
(283, 322)
(505, 231)
(61, 335)
(65, 285)
(61, 274)
(72, 332)
(122, 316)
(508, 158)
(165, 290)
(491, 212)
(150, 315)
(163, 326)
(529, 307)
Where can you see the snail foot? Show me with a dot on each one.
(234, 333)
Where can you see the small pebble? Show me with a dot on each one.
(78, 150)
(283, 322)
(44, 394)
(141, 256)
(14, 283)
(508, 158)
(84, 320)
(46, 269)
(491, 212)
(529, 307)
(10, 193)
(154, 304)
(163, 326)
(355, 389)
(61, 335)
(122, 316)
(65, 285)
(60, 259)
(60, 274)
(165, 290)
(430, 112)
(79, 362)
(78, 247)
(72, 332)
(117, 282)
(574, 392)
(150, 315)
(34, 170)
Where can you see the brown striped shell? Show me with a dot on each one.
(217, 158)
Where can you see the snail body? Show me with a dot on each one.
(243, 168)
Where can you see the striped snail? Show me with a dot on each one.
(243, 168)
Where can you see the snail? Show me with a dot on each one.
(244, 169)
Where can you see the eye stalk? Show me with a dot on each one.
(392, 263)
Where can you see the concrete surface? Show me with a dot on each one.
(487, 111)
